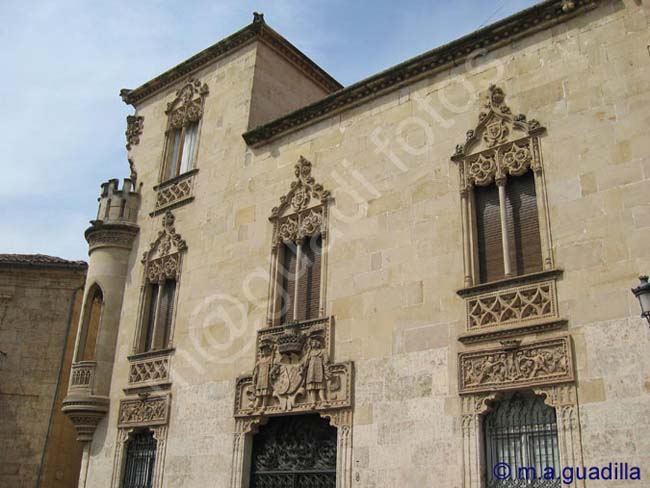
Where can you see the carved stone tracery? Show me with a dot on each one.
(187, 107)
(162, 260)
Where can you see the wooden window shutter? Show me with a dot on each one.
(287, 282)
(165, 313)
(149, 317)
(488, 227)
(309, 304)
(523, 224)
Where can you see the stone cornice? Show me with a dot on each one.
(257, 30)
(455, 53)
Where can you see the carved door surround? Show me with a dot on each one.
(146, 412)
(302, 213)
(501, 145)
(294, 373)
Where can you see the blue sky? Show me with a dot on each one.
(64, 63)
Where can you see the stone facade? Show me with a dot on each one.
(425, 349)
(40, 299)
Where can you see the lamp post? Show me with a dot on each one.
(642, 292)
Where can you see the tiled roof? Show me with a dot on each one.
(39, 260)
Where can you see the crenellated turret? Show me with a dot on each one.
(110, 239)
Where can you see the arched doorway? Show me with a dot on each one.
(294, 452)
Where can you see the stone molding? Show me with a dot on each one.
(257, 30)
(453, 54)
(294, 372)
(144, 412)
(110, 235)
(134, 128)
(516, 366)
(85, 411)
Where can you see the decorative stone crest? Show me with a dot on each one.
(515, 366)
(143, 412)
(134, 128)
(187, 107)
(294, 372)
(162, 260)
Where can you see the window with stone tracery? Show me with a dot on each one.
(184, 116)
(162, 264)
(299, 251)
(504, 210)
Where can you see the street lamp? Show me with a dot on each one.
(642, 292)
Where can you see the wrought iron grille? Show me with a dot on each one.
(140, 460)
(294, 452)
(522, 432)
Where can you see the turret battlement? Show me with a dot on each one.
(118, 205)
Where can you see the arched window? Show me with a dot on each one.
(294, 451)
(140, 461)
(522, 432)
(90, 328)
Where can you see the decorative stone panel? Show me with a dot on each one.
(149, 372)
(82, 375)
(515, 366)
(144, 412)
(293, 372)
(513, 305)
(175, 192)
(162, 260)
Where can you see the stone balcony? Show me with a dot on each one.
(82, 406)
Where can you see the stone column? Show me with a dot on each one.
(501, 184)
(467, 248)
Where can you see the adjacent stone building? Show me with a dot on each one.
(40, 298)
(402, 282)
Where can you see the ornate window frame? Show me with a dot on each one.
(163, 260)
(501, 145)
(302, 213)
(185, 109)
(562, 397)
(144, 413)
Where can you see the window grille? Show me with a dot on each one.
(522, 432)
(140, 460)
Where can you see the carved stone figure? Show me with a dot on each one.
(262, 375)
(316, 360)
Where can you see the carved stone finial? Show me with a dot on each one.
(258, 17)
(124, 94)
(568, 5)
(168, 219)
(302, 190)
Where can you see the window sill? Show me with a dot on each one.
(138, 356)
(505, 332)
(149, 371)
(509, 282)
(175, 179)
